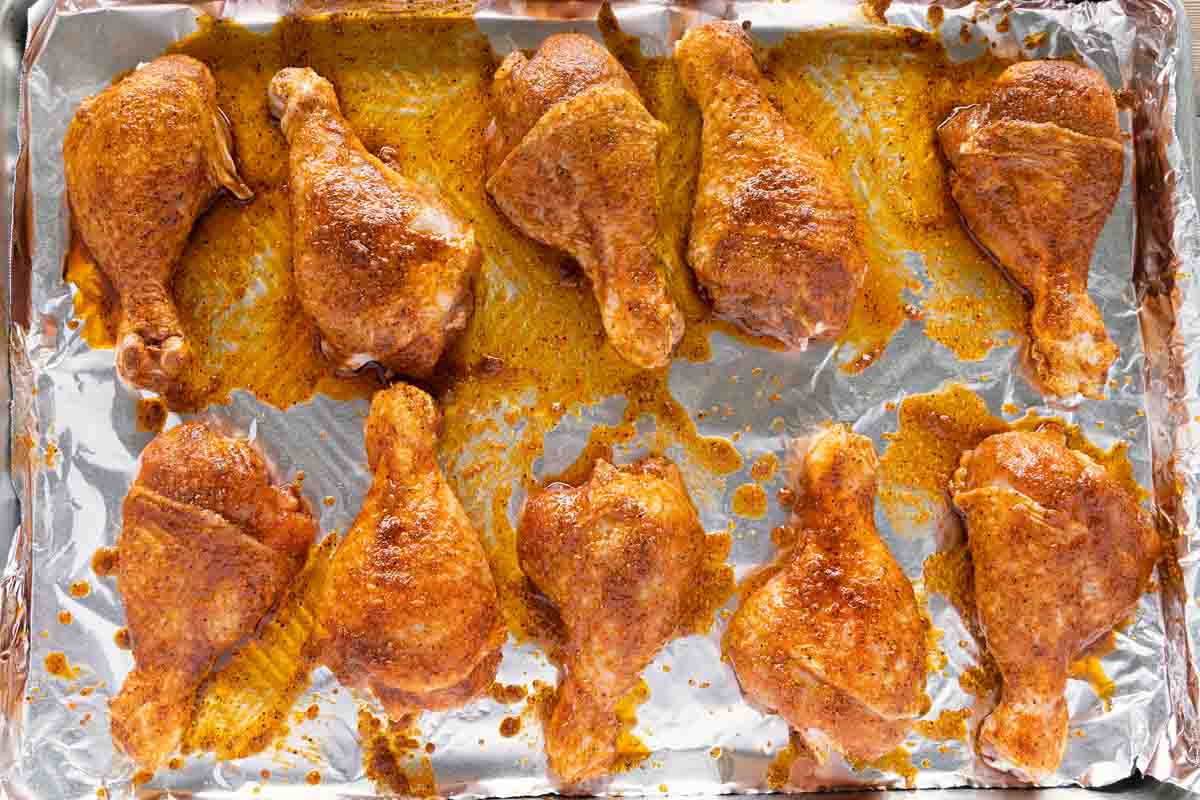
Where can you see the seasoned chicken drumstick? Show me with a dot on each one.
(207, 547)
(572, 162)
(383, 265)
(411, 610)
(617, 556)
(1036, 169)
(834, 642)
(775, 238)
(1061, 555)
(143, 159)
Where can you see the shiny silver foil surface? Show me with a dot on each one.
(55, 741)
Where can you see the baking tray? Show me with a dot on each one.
(13, 16)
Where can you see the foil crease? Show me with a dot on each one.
(65, 394)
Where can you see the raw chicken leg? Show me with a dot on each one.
(143, 159)
(572, 163)
(775, 238)
(208, 546)
(834, 642)
(1036, 169)
(617, 555)
(411, 611)
(383, 265)
(1061, 555)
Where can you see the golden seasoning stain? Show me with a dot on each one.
(950, 725)
(510, 727)
(900, 81)
(392, 757)
(785, 537)
(142, 777)
(80, 589)
(764, 467)
(711, 588)
(897, 762)
(935, 655)
(750, 501)
(243, 707)
(151, 414)
(51, 454)
(104, 561)
(508, 694)
(935, 429)
(936, 15)
(982, 679)
(313, 778)
(175, 763)
(95, 302)
(631, 751)
(1088, 667)
(312, 712)
(949, 572)
(122, 640)
(795, 755)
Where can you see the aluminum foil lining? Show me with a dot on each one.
(1143, 278)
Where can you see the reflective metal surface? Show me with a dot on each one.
(71, 507)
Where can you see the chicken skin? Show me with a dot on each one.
(1061, 554)
(834, 641)
(383, 265)
(207, 548)
(143, 159)
(411, 610)
(1035, 170)
(617, 556)
(572, 163)
(775, 239)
